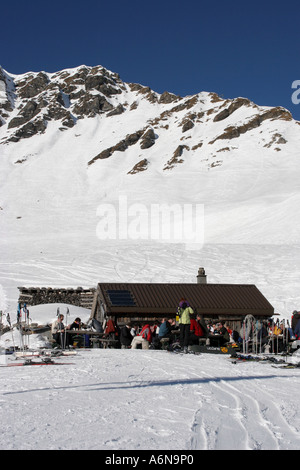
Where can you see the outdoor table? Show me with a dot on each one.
(216, 338)
(82, 333)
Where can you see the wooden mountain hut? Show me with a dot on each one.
(141, 302)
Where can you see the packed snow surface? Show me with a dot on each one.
(113, 399)
(155, 400)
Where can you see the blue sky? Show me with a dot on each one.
(233, 48)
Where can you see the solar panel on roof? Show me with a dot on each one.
(121, 298)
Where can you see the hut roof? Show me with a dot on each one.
(163, 299)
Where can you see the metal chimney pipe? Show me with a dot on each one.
(201, 278)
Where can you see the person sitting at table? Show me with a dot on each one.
(76, 325)
(58, 332)
(164, 332)
(174, 325)
(144, 338)
(126, 336)
(165, 329)
(58, 329)
(222, 330)
(196, 330)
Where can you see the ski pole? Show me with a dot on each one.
(67, 313)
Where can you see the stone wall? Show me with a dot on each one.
(47, 295)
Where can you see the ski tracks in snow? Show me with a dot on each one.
(235, 417)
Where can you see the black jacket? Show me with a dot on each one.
(125, 336)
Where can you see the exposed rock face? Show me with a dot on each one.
(140, 166)
(32, 86)
(29, 129)
(65, 96)
(176, 157)
(225, 113)
(148, 139)
(30, 110)
(232, 132)
(132, 118)
(6, 105)
(121, 146)
(91, 105)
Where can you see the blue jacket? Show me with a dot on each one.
(164, 329)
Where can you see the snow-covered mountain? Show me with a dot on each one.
(79, 138)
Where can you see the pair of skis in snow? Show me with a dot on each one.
(38, 358)
(30, 362)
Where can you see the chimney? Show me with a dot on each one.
(201, 278)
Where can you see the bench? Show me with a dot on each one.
(106, 342)
(164, 342)
(95, 342)
(202, 341)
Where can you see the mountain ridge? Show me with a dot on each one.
(82, 137)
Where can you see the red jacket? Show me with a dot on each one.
(146, 333)
(196, 328)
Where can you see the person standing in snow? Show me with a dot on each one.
(184, 312)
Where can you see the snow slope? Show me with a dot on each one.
(247, 184)
(149, 400)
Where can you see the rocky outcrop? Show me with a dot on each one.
(142, 165)
(117, 110)
(121, 146)
(28, 112)
(176, 157)
(152, 120)
(188, 122)
(37, 126)
(236, 104)
(32, 85)
(148, 139)
(149, 94)
(91, 105)
(232, 132)
(6, 100)
(65, 96)
(276, 139)
(167, 97)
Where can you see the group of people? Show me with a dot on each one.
(186, 332)
(59, 330)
